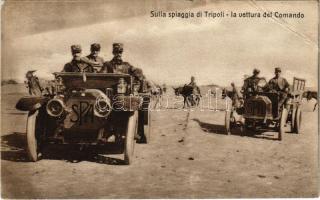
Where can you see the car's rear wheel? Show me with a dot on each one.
(283, 121)
(293, 118)
(297, 121)
(227, 122)
(33, 123)
(147, 126)
(132, 128)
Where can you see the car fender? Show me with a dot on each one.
(29, 103)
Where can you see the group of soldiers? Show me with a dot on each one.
(276, 84)
(94, 63)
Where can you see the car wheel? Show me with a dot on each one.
(297, 121)
(33, 143)
(132, 128)
(147, 126)
(227, 122)
(283, 121)
(293, 118)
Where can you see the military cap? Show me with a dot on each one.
(117, 47)
(256, 71)
(277, 69)
(76, 48)
(95, 47)
(30, 72)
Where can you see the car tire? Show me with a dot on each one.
(297, 121)
(33, 143)
(227, 121)
(147, 126)
(132, 127)
(283, 121)
(293, 120)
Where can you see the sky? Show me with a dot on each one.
(216, 51)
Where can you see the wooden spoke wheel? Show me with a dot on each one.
(132, 128)
(283, 121)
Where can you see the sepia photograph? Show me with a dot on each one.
(166, 99)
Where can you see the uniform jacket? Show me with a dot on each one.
(77, 66)
(34, 86)
(278, 84)
(120, 67)
(196, 89)
(95, 62)
(250, 82)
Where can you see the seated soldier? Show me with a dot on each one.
(93, 58)
(76, 64)
(250, 84)
(279, 85)
(117, 65)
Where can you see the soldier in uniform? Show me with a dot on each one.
(117, 65)
(279, 85)
(249, 85)
(196, 89)
(33, 84)
(77, 64)
(93, 58)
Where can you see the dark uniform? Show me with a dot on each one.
(93, 59)
(196, 89)
(117, 65)
(33, 84)
(279, 85)
(77, 65)
(249, 85)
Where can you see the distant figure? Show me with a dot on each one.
(312, 99)
(196, 93)
(93, 58)
(77, 64)
(33, 84)
(164, 88)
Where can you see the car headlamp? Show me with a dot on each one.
(55, 107)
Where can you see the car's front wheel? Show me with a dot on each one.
(283, 121)
(33, 123)
(297, 121)
(131, 131)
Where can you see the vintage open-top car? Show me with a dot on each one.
(88, 108)
(261, 110)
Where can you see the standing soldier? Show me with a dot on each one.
(249, 85)
(33, 84)
(77, 64)
(279, 85)
(195, 91)
(93, 58)
(164, 88)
